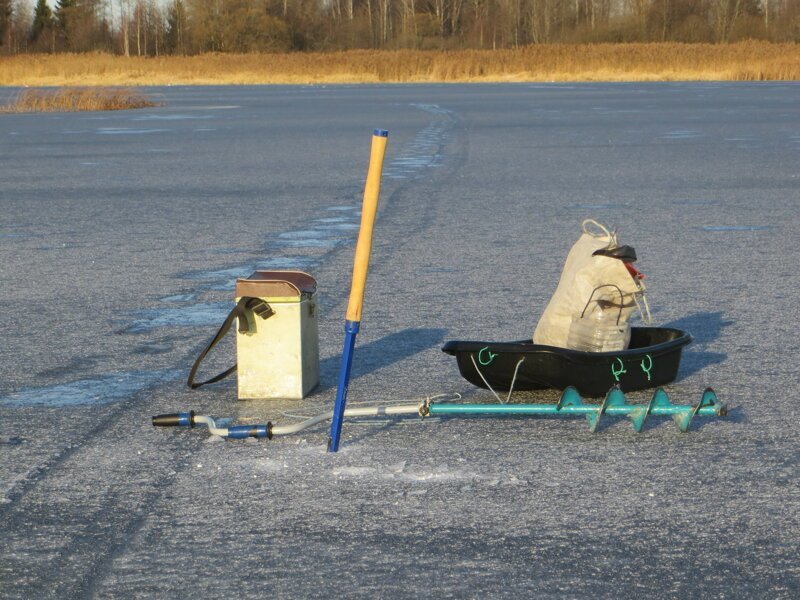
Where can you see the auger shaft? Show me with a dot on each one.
(614, 404)
(437, 410)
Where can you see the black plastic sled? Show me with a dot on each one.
(651, 360)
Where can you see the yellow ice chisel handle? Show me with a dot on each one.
(372, 190)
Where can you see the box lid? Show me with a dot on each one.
(276, 284)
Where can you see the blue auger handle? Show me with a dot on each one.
(185, 419)
(240, 432)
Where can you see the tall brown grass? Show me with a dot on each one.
(76, 99)
(744, 61)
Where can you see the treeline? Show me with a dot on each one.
(153, 28)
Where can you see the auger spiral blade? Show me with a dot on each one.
(708, 402)
(614, 398)
(639, 414)
(616, 404)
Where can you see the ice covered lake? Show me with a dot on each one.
(121, 235)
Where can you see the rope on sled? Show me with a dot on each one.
(490, 388)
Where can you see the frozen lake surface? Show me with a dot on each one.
(121, 236)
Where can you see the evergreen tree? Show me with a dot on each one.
(176, 28)
(5, 21)
(62, 13)
(78, 24)
(42, 20)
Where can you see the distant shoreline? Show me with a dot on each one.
(745, 61)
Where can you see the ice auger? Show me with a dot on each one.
(570, 404)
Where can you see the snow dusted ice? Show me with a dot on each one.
(122, 234)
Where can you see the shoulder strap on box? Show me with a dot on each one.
(240, 311)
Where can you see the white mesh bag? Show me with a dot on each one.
(586, 273)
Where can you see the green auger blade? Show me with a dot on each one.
(639, 414)
(709, 400)
(569, 397)
(614, 397)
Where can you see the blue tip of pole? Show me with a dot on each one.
(350, 331)
(381, 133)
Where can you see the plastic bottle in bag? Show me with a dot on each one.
(599, 330)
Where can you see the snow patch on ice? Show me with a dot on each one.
(425, 150)
(128, 131)
(100, 390)
(201, 314)
(308, 243)
(11, 440)
(597, 206)
(682, 134)
(339, 227)
(300, 234)
(426, 474)
(354, 471)
(173, 117)
(736, 227)
(178, 298)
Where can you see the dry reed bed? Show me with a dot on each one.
(76, 99)
(745, 61)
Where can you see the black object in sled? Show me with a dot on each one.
(651, 360)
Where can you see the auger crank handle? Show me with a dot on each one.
(185, 419)
(239, 432)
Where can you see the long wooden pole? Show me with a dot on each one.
(372, 190)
